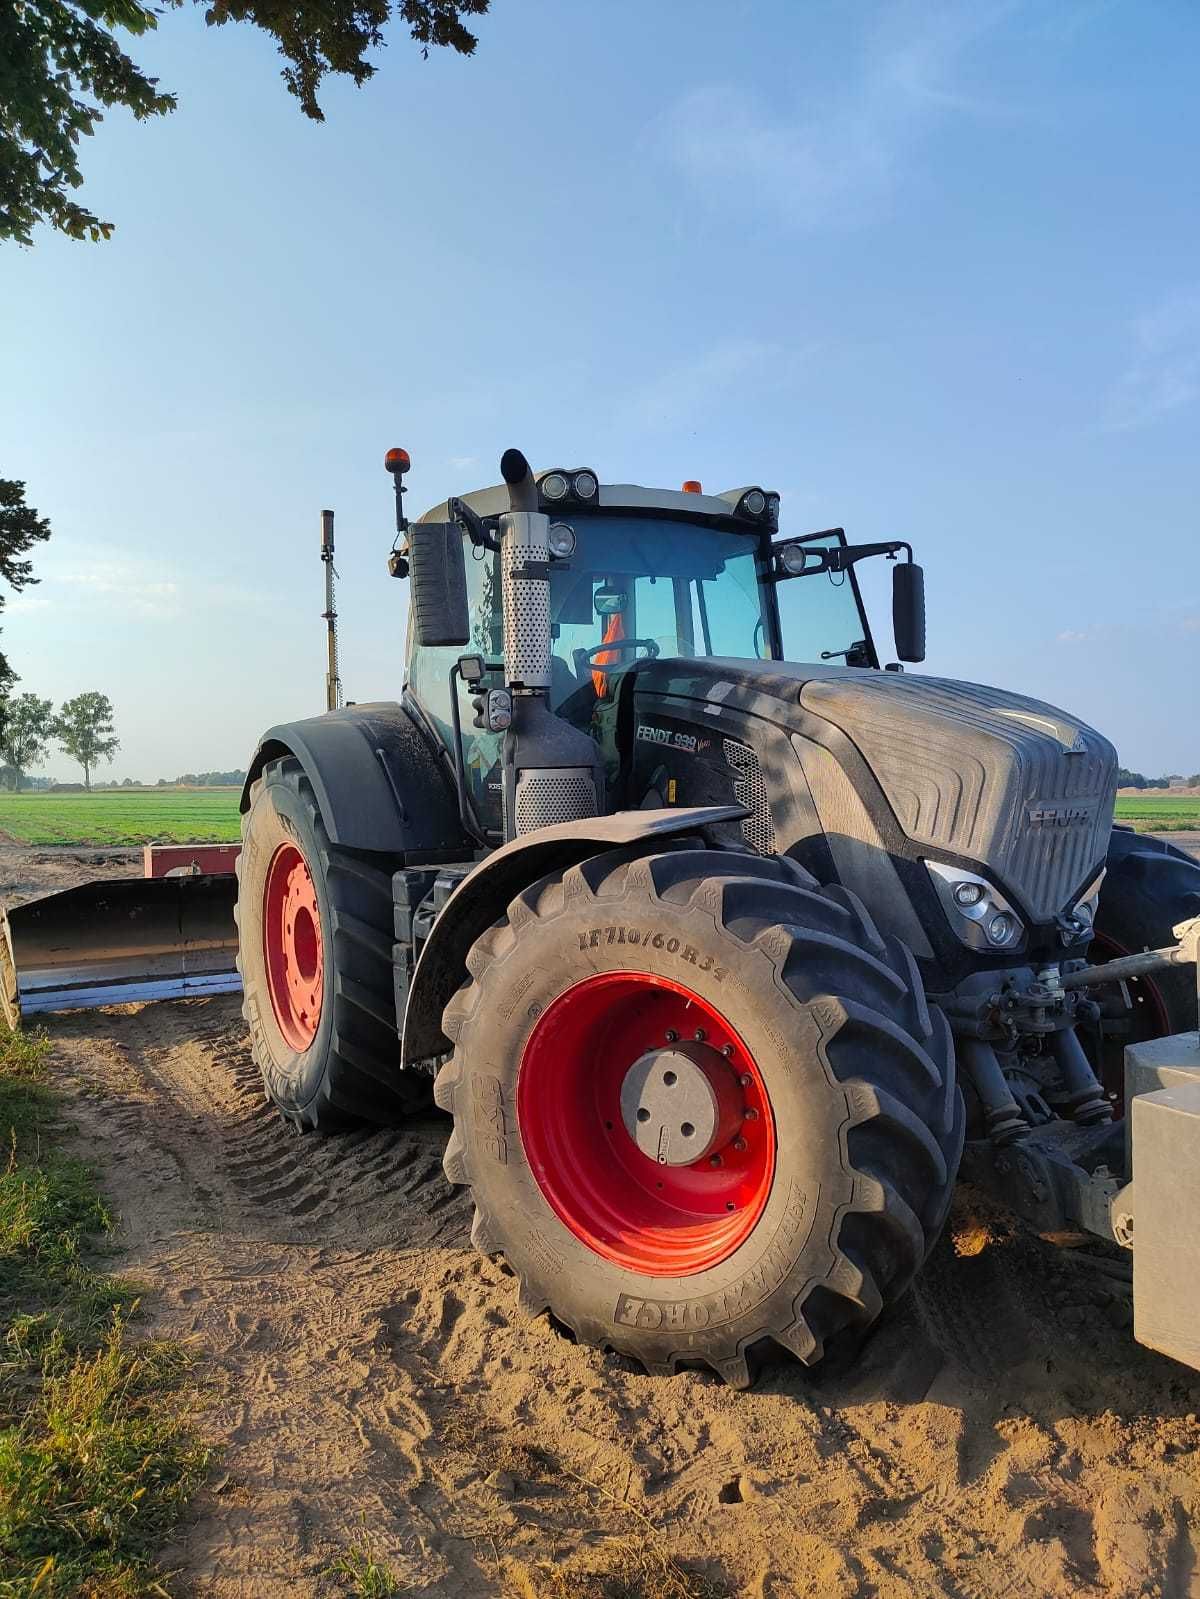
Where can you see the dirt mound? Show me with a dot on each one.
(1001, 1434)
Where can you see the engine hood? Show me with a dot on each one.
(1018, 787)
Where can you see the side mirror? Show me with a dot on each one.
(908, 610)
(439, 584)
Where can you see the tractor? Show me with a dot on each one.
(726, 946)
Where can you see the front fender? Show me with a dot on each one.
(378, 784)
(482, 898)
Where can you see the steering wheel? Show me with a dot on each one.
(619, 646)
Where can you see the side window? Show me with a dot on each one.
(429, 681)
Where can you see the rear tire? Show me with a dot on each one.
(329, 1053)
(1149, 888)
(823, 1024)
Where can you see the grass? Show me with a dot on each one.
(118, 816)
(363, 1575)
(96, 1459)
(197, 816)
(1154, 813)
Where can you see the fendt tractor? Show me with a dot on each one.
(727, 949)
(724, 966)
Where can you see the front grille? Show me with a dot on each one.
(750, 790)
(554, 797)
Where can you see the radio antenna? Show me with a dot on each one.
(333, 682)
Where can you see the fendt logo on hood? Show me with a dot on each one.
(1059, 813)
(649, 734)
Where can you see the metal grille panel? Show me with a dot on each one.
(551, 797)
(526, 605)
(749, 789)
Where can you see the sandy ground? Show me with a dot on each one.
(368, 1377)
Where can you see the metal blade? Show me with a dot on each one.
(110, 943)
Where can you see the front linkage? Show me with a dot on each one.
(1051, 1149)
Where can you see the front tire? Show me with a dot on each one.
(1149, 888)
(315, 957)
(817, 1083)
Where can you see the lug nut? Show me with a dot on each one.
(672, 1035)
(701, 1035)
(739, 1144)
(714, 1160)
(727, 1050)
(751, 1114)
(745, 1081)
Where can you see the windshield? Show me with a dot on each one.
(821, 615)
(640, 587)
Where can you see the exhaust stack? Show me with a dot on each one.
(552, 771)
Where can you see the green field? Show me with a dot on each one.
(1158, 812)
(210, 815)
(118, 816)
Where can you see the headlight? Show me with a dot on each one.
(561, 540)
(977, 910)
(586, 485)
(793, 558)
(1081, 917)
(555, 486)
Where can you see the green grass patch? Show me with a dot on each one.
(1156, 812)
(96, 1457)
(118, 816)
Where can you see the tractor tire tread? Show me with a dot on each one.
(889, 1049)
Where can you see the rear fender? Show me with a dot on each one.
(483, 897)
(378, 783)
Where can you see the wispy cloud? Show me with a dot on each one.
(76, 578)
(124, 584)
(1164, 372)
(840, 160)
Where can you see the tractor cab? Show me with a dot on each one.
(635, 575)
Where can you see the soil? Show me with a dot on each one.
(370, 1382)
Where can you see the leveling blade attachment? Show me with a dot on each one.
(118, 942)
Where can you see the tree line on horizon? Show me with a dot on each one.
(1128, 779)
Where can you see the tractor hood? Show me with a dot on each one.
(965, 773)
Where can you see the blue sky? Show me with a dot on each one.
(931, 270)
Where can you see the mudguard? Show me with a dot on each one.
(378, 783)
(482, 898)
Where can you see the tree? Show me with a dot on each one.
(28, 729)
(1128, 779)
(61, 68)
(84, 728)
(20, 526)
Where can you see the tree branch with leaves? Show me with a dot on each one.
(62, 67)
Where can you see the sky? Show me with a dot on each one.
(931, 270)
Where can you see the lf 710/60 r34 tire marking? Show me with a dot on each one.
(838, 1085)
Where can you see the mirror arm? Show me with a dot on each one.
(843, 556)
(472, 525)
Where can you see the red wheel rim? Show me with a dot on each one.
(660, 1220)
(295, 959)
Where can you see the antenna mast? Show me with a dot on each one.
(333, 682)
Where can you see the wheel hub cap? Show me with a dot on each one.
(646, 1123)
(679, 1104)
